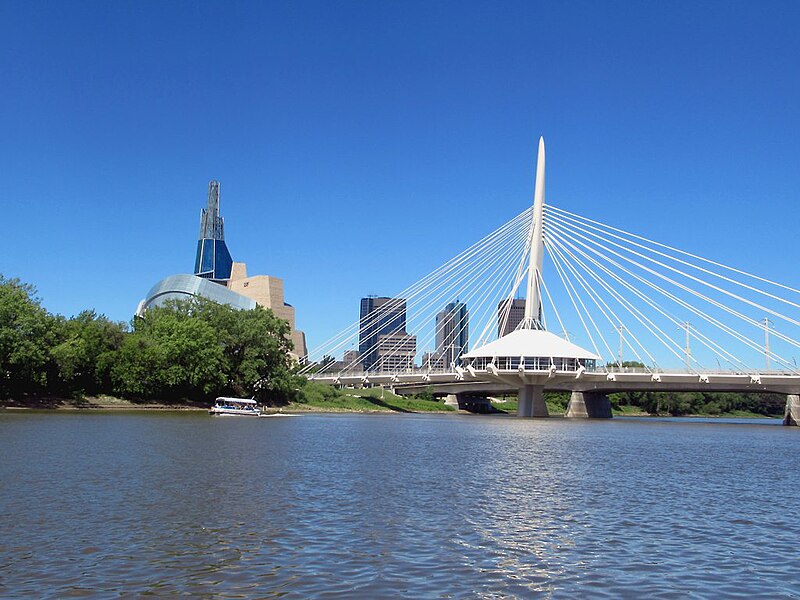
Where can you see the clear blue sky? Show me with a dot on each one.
(361, 144)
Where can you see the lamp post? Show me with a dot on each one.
(688, 349)
(767, 324)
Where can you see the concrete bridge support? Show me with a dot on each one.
(589, 405)
(792, 414)
(531, 402)
(452, 400)
(471, 403)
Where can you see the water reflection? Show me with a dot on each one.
(395, 506)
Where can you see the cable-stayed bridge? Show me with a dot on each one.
(616, 312)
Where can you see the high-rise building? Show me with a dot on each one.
(395, 352)
(516, 312)
(212, 260)
(452, 333)
(352, 356)
(350, 363)
(382, 333)
(433, 361)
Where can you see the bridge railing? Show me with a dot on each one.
(660, 371)
(508, 366)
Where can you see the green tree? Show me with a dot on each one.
(196, 349)
(135, 369)
(82, 356)
(171, 355)
(27, 332)
(256, 348)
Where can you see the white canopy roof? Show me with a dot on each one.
(239, 400)
(531, 343)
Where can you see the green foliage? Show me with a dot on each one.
(191, 350)
(325, 397)
(426, 394)
(701, 403)
(170, 355)
(557, 401)
(317, 394)
(196, 349)
(83, 357)
(27, 332)
(508, 404)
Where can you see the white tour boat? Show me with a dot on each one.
(241, 407)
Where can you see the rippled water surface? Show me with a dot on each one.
(396, 506)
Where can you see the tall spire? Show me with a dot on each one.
(213, 260)
(533, 302)
(211, 223)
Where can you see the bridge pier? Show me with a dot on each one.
(471, 403)
(792, 414)
(452, 400)
(531, 402)
(589, 405)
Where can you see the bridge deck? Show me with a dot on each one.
(597, 381)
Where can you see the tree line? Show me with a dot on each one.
(678, 404)
(187, 351)
(193, 350)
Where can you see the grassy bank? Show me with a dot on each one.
(510, 406)
(556, 403)
(316, 397)
(312, 398)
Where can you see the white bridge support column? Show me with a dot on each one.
(589, 405)
(452, 400)
(792, 414)
(531, 402)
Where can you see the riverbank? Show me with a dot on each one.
(367, 400)
(372, 400)
(96, 403)
(556, 408)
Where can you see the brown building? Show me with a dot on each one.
(395, 352)
(515, 315)
(267, 291)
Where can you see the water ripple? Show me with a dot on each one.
(395, 506)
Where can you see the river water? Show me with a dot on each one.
(375, 506)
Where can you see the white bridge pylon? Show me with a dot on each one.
(614, 306)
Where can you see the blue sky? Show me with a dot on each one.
(361, 144)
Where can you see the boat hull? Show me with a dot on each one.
(233, 412)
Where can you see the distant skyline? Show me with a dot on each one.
(359, 145)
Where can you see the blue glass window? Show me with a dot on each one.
(197, 256)
(223, 261)
(207, 261)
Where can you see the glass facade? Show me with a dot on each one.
(536, 363)
(509, 317)
(184, 286)
(378, 317)
(213, 260)
(452, 333)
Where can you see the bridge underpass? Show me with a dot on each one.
(486, 321)
(589, 397)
